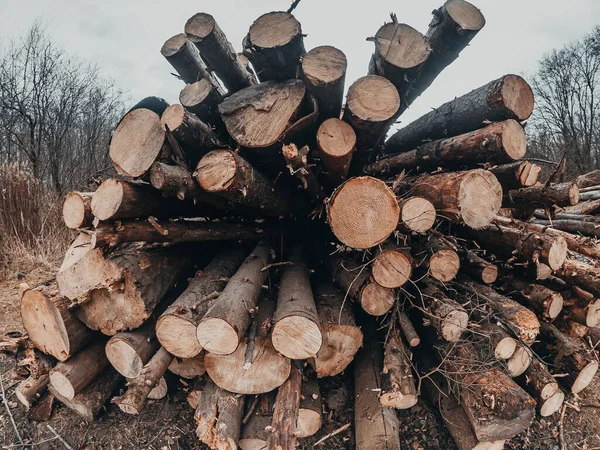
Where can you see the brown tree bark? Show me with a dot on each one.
(438, 257)
(588, 179)
(581, 275)
(336, 141)
(447, 316)
(542, 386)
(576, 227)
(285, 413)
(31, 390)
(398, 388)
(119, 199)
(477, 268)
(500, 342)
(309, 413)
(516, 175)
(544, 301)
(128, 352)
(77, 210)
(540, 196)
(519, 362)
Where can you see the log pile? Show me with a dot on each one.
(437, 250)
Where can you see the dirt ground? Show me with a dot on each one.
(168, 423)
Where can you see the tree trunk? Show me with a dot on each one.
(588, 179)
(545, 302)
(540, 196)
(416, 215)
(138, 389)
(398, 388)
(581, 307)
(309, 413)
(408, 330)
(129, 351)
(77, 210)
(119, 199)
(324, 73)
(448, 317)
(201, 99)
(176, 327)
(392, 267)
(336, 141)
(439, 258)
(478, 268)
(581, 275)
(50, 325)
(204, 32)
(285, 413)
(542, 386)
(516, 175)
(500, 342)
(154, 104)
(274, 46)
(31, 390)
(298, 165)
(580, 227)
(519, 362)
(188, 368)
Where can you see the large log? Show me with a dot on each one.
(195, 136)
(218, 53)
(274, 46)
(120, 199)
(509, 97)
(542, 386)
(447, 316)
(336, 141)
(544, 301)
(398, 388)
(497, 143)
(392, 267)
(588, 179)
(128, 352)
(176, 327)
(50, 325)
(581, 275)
(363, 212)
(77, 210)
(437, 256)
(542, 196)
(227, 320)
(285, 413)
(517, 174)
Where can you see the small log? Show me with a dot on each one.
(544, 301)
(228, 175)
(581, 275)
(408, 330)
(580, 227)
(542, 386)
(296, 325)
(518, 363)
(258, 116)
(119, 199)
(398, 388)
(377, 300)
(285, 413)
(159, 391)
(323, 71)
(227, 320)
(77, 210)
(219, 417)
(342, 338)
(137, 142)
(588, 179)
(392, 266)
(154, 104)
(336, 141)
(309, 413)
(439, 258)
(447, 316)
(542, 196)
(31, 390)
(516, 175)
(69, 378)
(584, 207)
(581, 307)
(188, 368)
(416, 215)
(128, 352)
(477, 268)
(50, 325)
(201, 99)
(256, 425)
(503, 345)
(509, 97)
(363, 212)
(218, 53)
(274, 46)
(138, 389)
(298, 165)
(176, 327)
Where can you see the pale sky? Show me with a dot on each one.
(124, 37)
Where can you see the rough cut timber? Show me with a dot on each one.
(438, 256)
(137, 142)
(398, 389)
(336, 142)
(363, 212)
(542, 386)
(408, 329)
(202, 99)
(509, 97)
(296, 325)
(71, 377)
(309, 413)
(400, 53)
(581, 275)
(544, 301)
(218, 53)
(227, 320)
(503, 345)
(138, 389)
(77, 210)
(188, 368)
(50, 325)
(120, 199)
(274, 46)
(196, 136)
(129, 351)
(227, 175)
(542, 196)
(477, 268)
(176, 327)
(324, 72)
(588, 180)
(517, 174)
(416, 214)
(258, 116)
(31, 390)
(372, 103)
(498, 143)
(284, 423)
(392, 267)
(219, 417)
(160, 390)
(341, 337)
(447, 316)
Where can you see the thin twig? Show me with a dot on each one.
(561, 431)
(333, 433)
(12, 419)
(58, 436)
(293, 6)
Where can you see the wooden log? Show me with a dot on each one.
(31, 390)
(50, 325)
(71, 377)
(285, 413)
(201, 99)
(392, 267)
(258, 116)
(227, 320)
(342, 338)
(498, 143)
(376, 300)
(518, 363)
(36, 362)
(509, 97)
(77, 210)
(219, 416)
(298, 164)
(477, 268)
(296, 326)
(323, 70)
(447, 316)
(176, 327)
(154, 104)
(256, 425)
(437, 256)
(502, 344)
(159, 391)
(588, 179)
(544, 301)
(517, 174)
(136, 142)
(541, 196)
(128, 352)
(363, 212)
(218, 53)
(398, 388)
(309, 413)
(188, 368)
(581, 275)
(581, 307)
(578, 227)
(543, 387)
(274, 46)
(90, 402)
(584, 207)
(408, 330)
(228, 175)
(119, 199)
(416, 215)
(372, 103)
(138, 389)
(336, 142)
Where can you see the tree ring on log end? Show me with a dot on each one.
(585, 377)
(573, 194)
(376, 300)
(124, 358)
(514, 140)
(309, 422)
(172, 117)
(489, 274)
(199, 26)
(274, 29)
(191, 95)
(517, 96)
(466, 15)
(418, 214)
(61, 384)
(188, 368)
(178, 336)
(519, 362)
(401, 45)
(324, 65)
(398, 400)
(557, 253)
(593, 314)
(108, 199)
(549, 390)
(297, 337)
(555, 306)
(217, 336)
(73, 210)
(454, 324)
(553, 404)
(336, 138)
(392, 269)
(173, 45)
(216, 171)
(373, 98)
(479, 198)
(444, 265)
(505, 348)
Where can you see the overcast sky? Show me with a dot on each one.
(125, 36)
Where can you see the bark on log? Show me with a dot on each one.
(509, 97)
(258, 116)
(285, 413)
(516, 175)
(176, 327)
(392, 266)
(119, 199)
(581, 307)
(36, 362)
(578, 227)
(398, 388)
(540, 196)
(416, 214)
(448, 317)
(50, 325)
(138, 389)
(227, 320)
(336, 142)
(296, 325)
(31, 390)
(309, 413)
(588, 179)
(137, 142)
(128, 352)
(219, 416)
(218, 53)
(502, 344)
(154, 104)
(274, 46)
(228, 175)
(581, 275)
(323, 71)
(498, 143)
(298, 164)
(363, 212)
(477, 268)
(587, 207)
(542, 386)
(77, 210)
(342, 338)
(544, 301)
(202, 99)
(408, 330)
(69, 378)
(439, 258)
(188, 368)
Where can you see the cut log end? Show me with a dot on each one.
(274, 29)
(297, 337)
(554, 306)
(401, 45)
(514, 140)
(178, 336)
(518, 97)
(505, 348)
(74, 210)
(454, 325)
(124, 358)
(519, 361)
(479, 198)
(363, 212)
(376, 300)
(61, 384)
(592, 318)
(324, 65)
(557, 254)
(190, 96)
(418, 214)
(444, 265)
(199, 26)
(489, 274)
(573, 194)
(216, 171)
(217, 336)
(552, 404)
(160, 390)
(585, 377)
(309, 422)
(108, 199)
(173, 45)
(173, 117)
(188, 368)
(373, 98)
(467, 16)
(392, 269)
